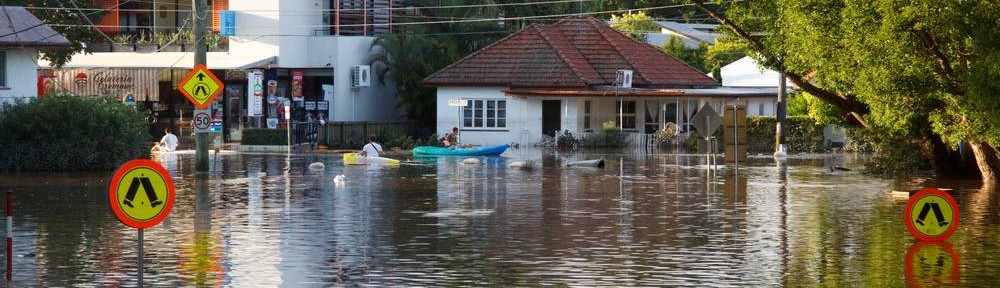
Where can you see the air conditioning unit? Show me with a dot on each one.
(361, 76)
(624, 78)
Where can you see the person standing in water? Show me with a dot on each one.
(167, 144)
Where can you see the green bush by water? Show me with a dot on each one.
(610, 136)
(802, 134)
(71, 133)
(261, 136)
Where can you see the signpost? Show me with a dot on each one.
(201, 87)
(145, 209)
(932, 215)
(705, 122)
(460, 103)
(735, 133)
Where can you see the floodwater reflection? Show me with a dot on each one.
(643, 220)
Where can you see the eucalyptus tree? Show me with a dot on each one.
(921, 69)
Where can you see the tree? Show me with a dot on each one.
(72, 23)
(635, 25)
(917, 69)
(692, 56)
(407, 60)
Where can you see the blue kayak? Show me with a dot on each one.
(474, 151)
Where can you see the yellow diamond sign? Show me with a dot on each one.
(200, 86)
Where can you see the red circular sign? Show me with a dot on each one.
(202, 121)
(936, 216)
(141, 193)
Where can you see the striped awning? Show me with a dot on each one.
(142, 83)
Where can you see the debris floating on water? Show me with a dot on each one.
(471, 161)
(317, 166)
(339, 179)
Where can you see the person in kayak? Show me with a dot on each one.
(451, 139)
(167, 144)
(372, 148)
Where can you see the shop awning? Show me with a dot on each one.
(164, 60)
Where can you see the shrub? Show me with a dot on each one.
(610, 136)
(261, 136)
(802, 134)
(71, 133)
(891, 154)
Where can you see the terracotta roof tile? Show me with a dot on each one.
(574, 52)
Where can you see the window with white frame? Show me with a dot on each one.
(586, 116)
(625, 114)
(485, 113)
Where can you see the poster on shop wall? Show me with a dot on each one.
(273, 104)
(256, 91)
(297, 86)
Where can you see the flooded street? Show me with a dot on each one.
(643, 220)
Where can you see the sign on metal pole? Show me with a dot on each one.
(141, 194)
(200, 86)
(202, 120)
(931, 215)
(458, 102)
(706, 121)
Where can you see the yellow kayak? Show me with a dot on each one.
(355, 159)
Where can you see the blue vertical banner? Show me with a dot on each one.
(227, 23)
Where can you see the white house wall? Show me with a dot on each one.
(524, 114)
(21, 75)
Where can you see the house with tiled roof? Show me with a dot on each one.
(572, 75)
(21, 36)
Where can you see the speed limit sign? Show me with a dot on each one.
(202, 120)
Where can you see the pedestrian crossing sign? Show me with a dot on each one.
(200, 86)
(141, 193)
(931, 215)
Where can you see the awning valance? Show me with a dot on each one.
(142, 83)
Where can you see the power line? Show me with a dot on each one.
(326, 10)
(468, 20)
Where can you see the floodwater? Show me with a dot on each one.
(643, 220)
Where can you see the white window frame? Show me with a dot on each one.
(620, 114)
(486, 115)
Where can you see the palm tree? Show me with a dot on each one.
(407, 60)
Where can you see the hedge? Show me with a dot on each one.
(71, 133)
(260, 136)
(802, 134)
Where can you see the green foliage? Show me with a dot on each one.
(610, 136)
(892, 154)
(802, 134)
(635, 25)
(261, 136)
(912, 64)
(68, 21)
(71, 133)
(407, 60)
(694, 57)
(804, 104)
(397, 138)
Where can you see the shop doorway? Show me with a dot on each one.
(235, 112)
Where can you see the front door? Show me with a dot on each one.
(235, 116)
(551, 122)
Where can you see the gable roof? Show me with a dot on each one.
(574, 52)
(19, 28)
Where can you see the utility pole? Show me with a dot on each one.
(779, 133)
(200, 54)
